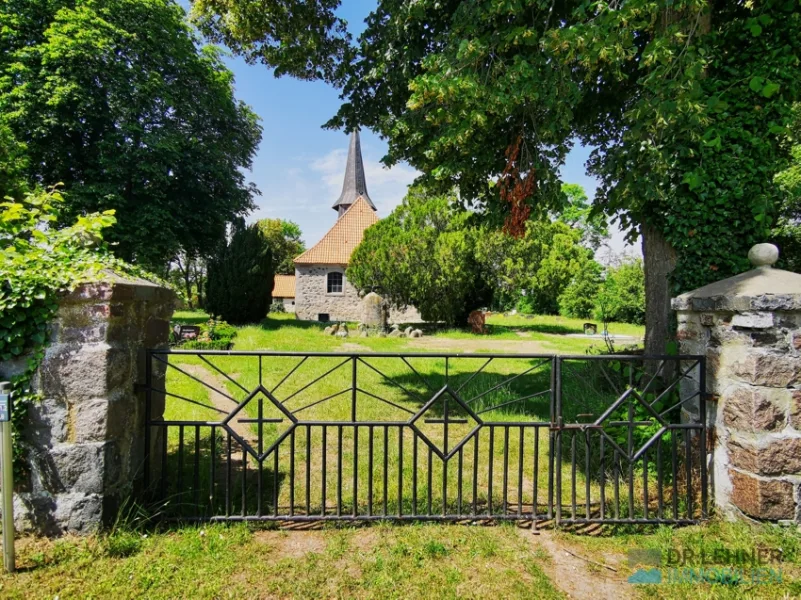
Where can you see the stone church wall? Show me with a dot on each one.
(312, 298)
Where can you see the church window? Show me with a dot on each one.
(335, 283)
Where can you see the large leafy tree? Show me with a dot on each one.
(284, 239)
(535, 268)
(423, 255)
(688, 103)
(117, 100)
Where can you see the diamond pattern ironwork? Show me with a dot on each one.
(281, 418)
(450, 423)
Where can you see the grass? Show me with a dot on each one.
(427, 561)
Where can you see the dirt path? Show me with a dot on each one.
(475, 345)
(578, 578)
(218, 400)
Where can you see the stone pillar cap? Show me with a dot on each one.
(761, 288)
(763, 255)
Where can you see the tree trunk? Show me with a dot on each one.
(659, 259)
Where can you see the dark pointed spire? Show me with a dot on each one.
(355, 184)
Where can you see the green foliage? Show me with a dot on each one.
(539, 265)
(579, 298)
(622, 295)
(786, 232)
(224, 344)
(578, 212)
(690, 127)
(13, 163)
(304, 39)
(285, 242)
(277, 307)
(240, 277)
(423, 255)
(117, 100)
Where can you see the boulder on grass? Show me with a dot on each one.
(417, 333)
(396, 333)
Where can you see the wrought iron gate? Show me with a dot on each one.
(457, 437)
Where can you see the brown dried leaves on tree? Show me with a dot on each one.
(516, 189)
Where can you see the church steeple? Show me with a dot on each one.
(355, 184)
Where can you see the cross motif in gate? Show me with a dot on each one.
(628, 398)
(452, 424)
(278, 415)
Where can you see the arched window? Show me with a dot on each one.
(334, 283)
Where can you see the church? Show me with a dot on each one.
(322, 290)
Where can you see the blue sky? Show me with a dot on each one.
(299, 166)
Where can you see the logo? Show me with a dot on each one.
(646, 576)
(725, 566)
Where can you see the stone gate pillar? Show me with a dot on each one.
(84, 440)
(749, 329)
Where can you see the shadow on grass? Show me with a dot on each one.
(274, 324)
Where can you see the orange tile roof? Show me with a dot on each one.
(341, 240)
(284, 286)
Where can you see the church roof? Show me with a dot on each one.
(355, 184)
(341, 240)
(284, 286)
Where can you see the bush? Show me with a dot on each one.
(277, 307)
(240, 278)
(224, 344)
(622, 295)
(581, 295)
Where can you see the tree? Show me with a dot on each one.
(301, 38)
(535, 268)
(687, 102)
(285, 243)
(13, 163)
(578, 212)
(579, 298)
(240, 278)
(423, 255)
(622, 294)
(786, 232)
(189, 272)
(116, 99)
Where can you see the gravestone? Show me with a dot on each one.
(374, 311)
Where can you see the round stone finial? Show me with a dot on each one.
(763, 255)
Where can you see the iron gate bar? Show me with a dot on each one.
(508, 503)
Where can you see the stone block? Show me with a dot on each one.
(47, 423)
(89, 420)
(761, 498)
(755, 409)
(74, 371)
(768, 369)
(80, 467)
(753, 320)
(79, 513)
(707, 319)
(777, 456)
(797, 341)
(795, 409)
